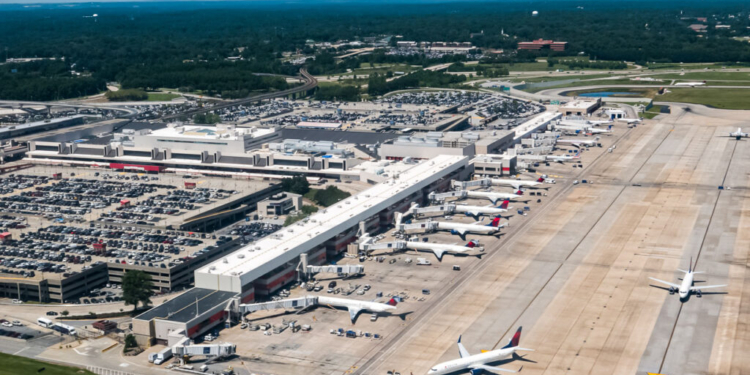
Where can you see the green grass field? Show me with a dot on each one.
(717, 98)
(161, 97)
(14, 365)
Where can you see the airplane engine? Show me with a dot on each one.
(671, 290)
(698, 293)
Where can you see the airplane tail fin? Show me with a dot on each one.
(472, 244)
(515, 340)
(541, 179)
(495, 222)
(519, 192)
(392, 302)
(577, 155)
(504, 205)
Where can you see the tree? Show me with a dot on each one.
(297, 184)
(64, 313)
(137, 287)
(130, 342)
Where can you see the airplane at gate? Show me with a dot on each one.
(478, 363)
(494, 196)
(685, 288)
(564, 158)
(355, 306)
(440, 249)
(461, 229)
(517, 184)
(476, 211)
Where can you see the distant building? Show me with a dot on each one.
(406, 44)
(540, 44)
(698, 28)
(580, 107)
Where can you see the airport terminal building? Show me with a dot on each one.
(262, 268)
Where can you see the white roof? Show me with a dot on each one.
(209, 132)
(580, 104)
(255, 260)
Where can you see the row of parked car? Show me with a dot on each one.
(19, 182)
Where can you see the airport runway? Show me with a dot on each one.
(576, 277)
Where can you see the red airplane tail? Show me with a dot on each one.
(392, 302)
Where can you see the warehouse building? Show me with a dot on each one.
(265, 266)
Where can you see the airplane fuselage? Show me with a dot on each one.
(464, 364)
(359, 305)
(494, 197)
(687, 282)
(467, 228)
(513, 183)
(477, 210)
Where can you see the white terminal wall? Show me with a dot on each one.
(244, 266)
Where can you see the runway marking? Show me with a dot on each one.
(16, 353)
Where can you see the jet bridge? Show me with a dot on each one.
(347, 270)
(208, 350)
(460, 194)
(463, 185)
(292, 303)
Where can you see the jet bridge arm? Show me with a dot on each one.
(293, 303)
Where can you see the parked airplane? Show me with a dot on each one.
(517, 184)
(580, 142)
(686, 286)
(478, 228)
(440, 249)
(738, 134)
(563, 158)
(494, 196)
(477, 363)
(629, 120)
(355, 306)
(476, 211)
(583, 129)
(691, 84)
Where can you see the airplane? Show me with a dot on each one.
(461, 229)
(493, 196)
(355, 306)
(478, 363)
(686, 286)
(738, 134)
(580, 142)
(563, 158)
(517, 184)
(583, 129)
(599, 122)
(476, 211)
(629, 120)
(691, 84)
(440, 249)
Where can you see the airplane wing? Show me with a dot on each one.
(462, 350)
(489, 368)
(666, 282)
(353, 312)
(706, 287)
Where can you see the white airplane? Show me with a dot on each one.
(478, 363)
(686, 286)
(582, 128)
(517, 184)
(494, 196)
(476, 211)
(629, 120)
(440, 249)
(599, 122)
(691, 84)
(563, 158)
(355, 306)
(580, 142)
(738, 134)
(478, 228)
